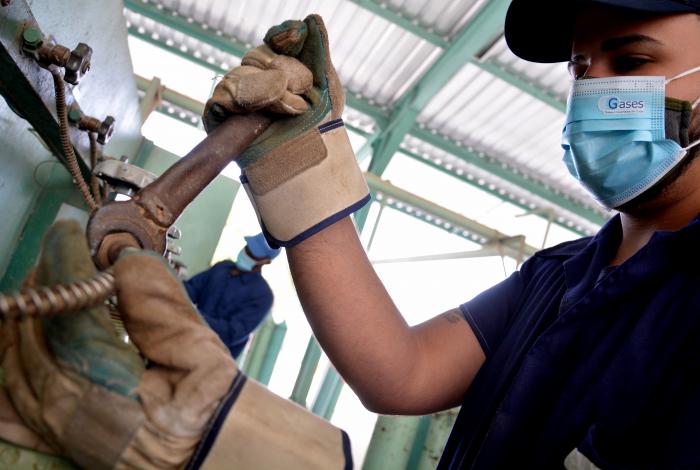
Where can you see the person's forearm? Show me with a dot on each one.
(352, 315)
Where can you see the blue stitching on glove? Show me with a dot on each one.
(274, 243)
(216, 422)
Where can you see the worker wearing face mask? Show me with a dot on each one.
(590, 351)
(232, 296)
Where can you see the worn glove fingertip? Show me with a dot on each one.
(287, 38)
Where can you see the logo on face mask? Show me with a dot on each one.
(617, 105)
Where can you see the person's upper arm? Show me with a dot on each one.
(453, 346)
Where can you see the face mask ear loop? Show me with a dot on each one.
(695, 103)
(683, 74)
(691, 145)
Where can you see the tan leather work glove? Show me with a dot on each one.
(87, 394)
(265, 81)
(89, 397)
(301, 173)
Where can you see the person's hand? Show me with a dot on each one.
(85, 394)
(301, 173)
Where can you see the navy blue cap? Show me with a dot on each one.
(542, 30)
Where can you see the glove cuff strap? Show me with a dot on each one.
(319, 188)
(266, 431)
(216, 422)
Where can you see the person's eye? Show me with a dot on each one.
(628, 64)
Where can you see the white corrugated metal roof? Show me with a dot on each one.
(374, 57)
(445, 17)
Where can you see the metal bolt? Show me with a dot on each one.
(32, 37)
(74, 115)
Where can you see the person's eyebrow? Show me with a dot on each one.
(621, 41)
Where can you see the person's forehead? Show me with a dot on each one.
(597, 23)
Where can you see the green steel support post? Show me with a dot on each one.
(382, 206)
(272, 352)
(59, 189)
(328, 394)
(418, 448)
(333, 398)
(306, 372)
(151, 99)
(440, 427)
(360, 217)
(256, 352)
(391, 443)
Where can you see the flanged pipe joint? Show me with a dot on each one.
(76, 62)
(104, 129)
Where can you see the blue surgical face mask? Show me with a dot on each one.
(244, 262)
(615, 141)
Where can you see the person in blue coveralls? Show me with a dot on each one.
(232, 296)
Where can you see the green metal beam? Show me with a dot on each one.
(509, 174)
(521, 83)
(447, 219)
(403, 22)
(471, 40)
(485, 187)
(188, 26)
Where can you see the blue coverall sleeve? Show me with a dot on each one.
(249, 312)
(490, 312)
(198, 284)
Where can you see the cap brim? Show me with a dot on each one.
(542, 30)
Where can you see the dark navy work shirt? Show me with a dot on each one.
(233, 306)
(580, 356)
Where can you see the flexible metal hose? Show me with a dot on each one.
(57, 299)
(71, 159)
(94, 185)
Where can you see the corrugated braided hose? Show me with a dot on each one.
(68, 152)
(57, 299)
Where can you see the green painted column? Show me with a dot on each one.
(279, 330)
(256, 352)
(418, 447)
(307, 370)
(391, 443)
(439, 430)
(57, 190)
(327, 397)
